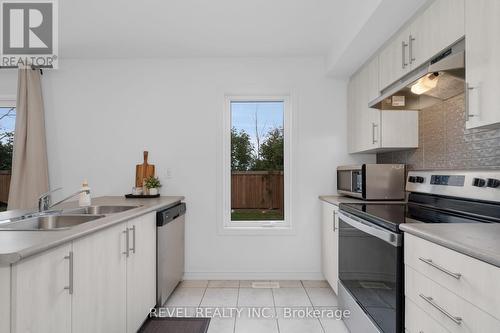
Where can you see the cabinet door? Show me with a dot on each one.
(335, 256)
(367, 120)
(99, 295)
(141, 270)
(399, 129)
(330, 244)
(373, 79)
(394, 59)
(350, 116)
(438, 27)
(371, 129)
(40, 302)
(482, 28)
(353, 117)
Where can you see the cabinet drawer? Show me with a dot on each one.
(477, 283)
(418, 321)
(453, 312)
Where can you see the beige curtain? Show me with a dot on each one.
(29, 161)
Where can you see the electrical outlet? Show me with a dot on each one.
(169, 173)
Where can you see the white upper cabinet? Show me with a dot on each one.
(372, 130)
(369, 119)
(364, 120)
(431, 31)
(437, 27)
(352, 114)
(398, 130)
(482, 28)
(394, 59)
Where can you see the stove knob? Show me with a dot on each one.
(491, 182)
(479, 182)
(420, 180)
(412, 179)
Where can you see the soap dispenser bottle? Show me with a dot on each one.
(84, 199)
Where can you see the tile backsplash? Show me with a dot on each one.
(444, 143)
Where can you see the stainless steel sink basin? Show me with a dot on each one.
(102, 209)
(50, 222)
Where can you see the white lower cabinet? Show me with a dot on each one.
(418, 321)
(471, 279)
(41, 302)
(104, 282)
(141, 270)
(330, 244)
(453, 312)
(99, 294)
(446, 287)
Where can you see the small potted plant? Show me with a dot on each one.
(153, 185)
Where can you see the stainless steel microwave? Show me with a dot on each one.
(372, 181)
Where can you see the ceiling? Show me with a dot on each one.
(213, 28)
(345, 32)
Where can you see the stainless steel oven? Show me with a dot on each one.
(372, 181)
(370, 275)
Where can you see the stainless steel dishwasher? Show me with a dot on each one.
(170, 251)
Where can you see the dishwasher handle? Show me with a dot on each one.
(168, 215)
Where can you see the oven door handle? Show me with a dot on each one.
(371, 229)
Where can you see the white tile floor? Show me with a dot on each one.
(278, 302)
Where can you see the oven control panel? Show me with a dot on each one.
(446, 180)
(473, 184)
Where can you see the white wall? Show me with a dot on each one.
(101, 114)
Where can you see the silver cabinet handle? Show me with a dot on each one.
(69, 288)
(411, 39)
(430, 300)
(442, 269)
(334, 215)
(374, 126)
(468, 89)
(403, 54)
(127, 243)
(133, 239)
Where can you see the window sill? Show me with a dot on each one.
(256, 230)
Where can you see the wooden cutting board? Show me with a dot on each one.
(143, 170)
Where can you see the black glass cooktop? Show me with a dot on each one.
(424, 209)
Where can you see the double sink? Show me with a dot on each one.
(61, 220)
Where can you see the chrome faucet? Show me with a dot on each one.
(44, 201)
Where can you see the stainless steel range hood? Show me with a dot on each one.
(437, 80)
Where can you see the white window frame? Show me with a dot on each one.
(248, 227)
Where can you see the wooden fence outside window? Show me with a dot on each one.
(257, 190)
(4, 185)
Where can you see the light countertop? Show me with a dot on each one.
(17, 245)
(337, 199)
(477, 240)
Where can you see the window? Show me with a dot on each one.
(256, 163)
(7, 126)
